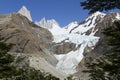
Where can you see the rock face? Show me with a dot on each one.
(27, 37)
(62, 48)
(25, 12)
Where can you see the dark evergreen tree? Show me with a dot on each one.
(6, 69)
(107, 67)
(100, 5)
(113, 37)
(32, 74)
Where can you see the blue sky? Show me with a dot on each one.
(63, 11)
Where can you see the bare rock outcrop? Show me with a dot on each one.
(24, 34)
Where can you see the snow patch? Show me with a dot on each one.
(118, 16)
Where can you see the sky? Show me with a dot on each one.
(63, 11)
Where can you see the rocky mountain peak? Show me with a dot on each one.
(25, 12)
(89, 23)
(41, 23)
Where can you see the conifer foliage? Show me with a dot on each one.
(100, 5)
(32, 74)
(6, 69)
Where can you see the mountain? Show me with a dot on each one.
(25, 12)
(30, 43)
(45, 46)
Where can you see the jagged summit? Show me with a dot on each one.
(52, 25)
(41, 23)
(47, 23)
(25, 12)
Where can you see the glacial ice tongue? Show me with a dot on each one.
(67, 63)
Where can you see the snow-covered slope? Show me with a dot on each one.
(89, 23)
(71, 26)
(80, 29)
(25, 12)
